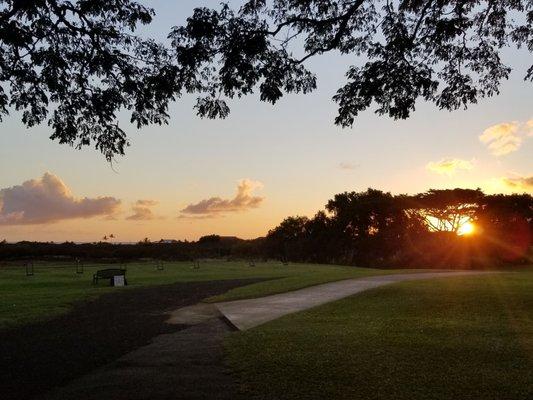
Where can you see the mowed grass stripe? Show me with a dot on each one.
(448, 338)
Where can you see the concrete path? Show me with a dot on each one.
(185, 365)
(246, 314)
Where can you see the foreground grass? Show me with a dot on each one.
(449, 338)
(54, 288)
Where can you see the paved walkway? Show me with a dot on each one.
(185, 365)
(246, 314)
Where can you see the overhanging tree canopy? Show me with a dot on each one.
(76, 64)
(81, 58)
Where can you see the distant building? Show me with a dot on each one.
(168, 241)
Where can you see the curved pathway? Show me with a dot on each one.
(246, 314)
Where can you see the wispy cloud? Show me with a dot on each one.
(47, 200)
(507, 137)
(215, 206)
(199, 217)
(449, 166)
(519, 184)
(529, 127)
(348, 166)
(142, 211)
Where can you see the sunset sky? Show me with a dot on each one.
(241, 176)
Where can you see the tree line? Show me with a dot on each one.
(374, 228)
(211, 246)
(371, 228)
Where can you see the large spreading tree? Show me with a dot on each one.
(76, 64)
(375, 228)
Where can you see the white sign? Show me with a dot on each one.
(118, 280)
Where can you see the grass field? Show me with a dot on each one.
(54, 288)
(449, 338)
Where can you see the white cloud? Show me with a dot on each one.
(507, 137)
(47, 200)
(449, 166)
(216, 206)
(529, 127)
(348, 166)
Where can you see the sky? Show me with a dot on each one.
(241, 176)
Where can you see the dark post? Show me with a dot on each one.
(29, 268)
(79, 266)
(196, 264)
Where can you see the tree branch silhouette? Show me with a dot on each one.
(77, 64)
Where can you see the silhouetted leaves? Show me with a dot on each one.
(76, 64)
(446, 52)
(81, 62)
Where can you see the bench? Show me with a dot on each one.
(109, 274)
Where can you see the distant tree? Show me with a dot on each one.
(321, 239)
(145, 241)
(446, 210)
(507, 224)
(209, 239)
(286, 240)
(76, 64)
(502, 211)
(290, 228)
(370, 224)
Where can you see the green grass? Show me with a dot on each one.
(299, 276)
(448, 338)
(53, 289)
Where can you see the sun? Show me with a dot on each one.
(467, 228)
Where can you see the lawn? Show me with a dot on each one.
(448, 338)
(54, 288)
